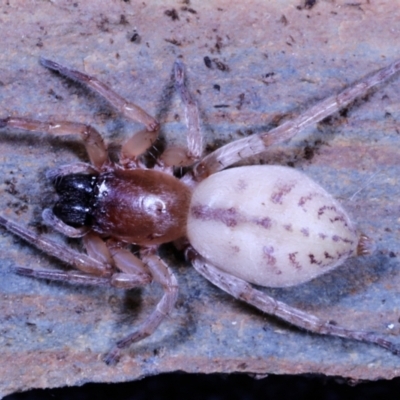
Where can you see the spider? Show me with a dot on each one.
(267, 225)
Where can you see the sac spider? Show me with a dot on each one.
(267, 225)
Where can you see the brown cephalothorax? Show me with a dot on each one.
(268, 225)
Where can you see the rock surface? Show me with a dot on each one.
(249, 66)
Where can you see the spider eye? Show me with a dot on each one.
(75, 183)
(76, 196)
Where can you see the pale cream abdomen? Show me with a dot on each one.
(269, 225)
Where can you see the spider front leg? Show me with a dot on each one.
(94, 144)
(256, 144)
(244, 291)
(122, 105)
(140, 141)
(163, 275)
(97, 267)
(80, 261)
(134, 272)
(178, 156)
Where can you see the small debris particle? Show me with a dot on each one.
(284, 20)
(344, 112)
(172, 14)
(220, 65)
(217, 87)
(188, 9)
(354, 5)
(268, 78)
(79, 309)
(244, 133)
(218, 44)
(11, 186)
(52, 93)
(241, 101)
(103, 24)
(207, 61)
(242, 366)
(387, 114)
(309, 4)
(308, 153)
(221, 106)
(135, 38)
(123, 20)
(174, 42)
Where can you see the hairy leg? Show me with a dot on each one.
(71, 257)
(178, 156)
(244, 291)
(163, 275)
(50, 219)
(117, 280)
(70, 169)
(135, 146)
(71, 277)
(95, 146)
(126, 108)
(255, 144)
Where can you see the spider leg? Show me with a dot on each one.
(72, 277)
(126, 108)
(255, 144)
(244, 291)
(94, 144)
(50, 219)
(140, 141)
(134, 273)
(136, 145)
(78, 260)
(70, 169)
(162, 274)
(178, 156)
(117, 280)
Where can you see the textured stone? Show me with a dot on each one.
(250, 66)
